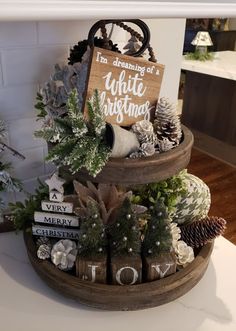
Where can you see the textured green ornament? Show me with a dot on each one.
(195, 203)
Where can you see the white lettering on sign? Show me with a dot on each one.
(59, 207)
(43, 231)
(123, 85)
(133, 67)
(101, 58)
(159, 270)
(56, 219)
(93, 272)
(129, 87)
(119, 272)
(56, 196)
(122, 104)
(122, 107)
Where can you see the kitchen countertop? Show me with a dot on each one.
(19, 10)
(27, 304)
(223, 65)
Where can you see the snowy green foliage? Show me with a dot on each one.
(81, 142)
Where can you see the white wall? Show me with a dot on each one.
(28, 51)
(167, 38)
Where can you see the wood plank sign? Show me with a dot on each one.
(56, 219)
(59, 207)
(129, 86)
(46, 231)
(56, 196)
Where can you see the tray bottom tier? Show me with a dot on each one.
(113, 297)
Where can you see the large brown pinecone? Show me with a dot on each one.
(200, 232)
(167, 123)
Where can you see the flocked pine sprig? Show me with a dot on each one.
(46, 133)
(81, 142)
(77, 123)
(96, 115)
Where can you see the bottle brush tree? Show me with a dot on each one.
(158, 238)
(92, 240)
(124, 232)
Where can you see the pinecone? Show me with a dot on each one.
(144, 132)
(167, 123)
(43, 241)
(149, 138)
(77, 52)
(135, 155)
(44, 252)
(201, 232)
(164, 145)
(146, 149)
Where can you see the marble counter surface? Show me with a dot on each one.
(223, 65)
(27, 304)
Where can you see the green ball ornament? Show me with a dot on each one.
(195, 203)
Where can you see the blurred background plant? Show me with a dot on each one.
(7, 182)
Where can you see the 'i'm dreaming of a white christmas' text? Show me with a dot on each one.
(120, 91)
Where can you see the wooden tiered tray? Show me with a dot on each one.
(113, 297)
(141, 171)
(131, 297)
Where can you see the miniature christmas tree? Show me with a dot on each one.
(132, 46)
(81, 142)
(158, 238)
(124, 232)
(92, 240)
(167, 125)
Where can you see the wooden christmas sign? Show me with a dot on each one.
(56, 196)
(63, 207)
(56, 219)
(56, 213)
(129, 86)
(46, 231)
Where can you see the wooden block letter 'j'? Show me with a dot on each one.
(93, 270)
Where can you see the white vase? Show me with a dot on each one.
(122, 141)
